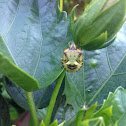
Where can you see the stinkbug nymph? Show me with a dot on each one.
(72, 59)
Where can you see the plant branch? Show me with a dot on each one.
(32, 108)
(53, 98)
(79, 117)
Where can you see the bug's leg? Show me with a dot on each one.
(65, 58)
(80, 58)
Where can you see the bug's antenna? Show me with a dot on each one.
(70, 42)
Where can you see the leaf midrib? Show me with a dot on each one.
(40, 49)
(3, 37)
(8, 49)
(73, 83)
(43, 38)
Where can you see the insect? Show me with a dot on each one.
(72, 59)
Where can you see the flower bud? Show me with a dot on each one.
(99, 23)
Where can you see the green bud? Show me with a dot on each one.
(97, 27)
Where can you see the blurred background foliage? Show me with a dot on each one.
(69, 4)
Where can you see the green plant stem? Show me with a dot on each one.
(32, 108)
(53, 98)
(30, 122)
(79, 117)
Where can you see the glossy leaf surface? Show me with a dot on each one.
(103, 71)
(16, 74)
(34, 35)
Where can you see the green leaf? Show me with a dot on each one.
(41, 113)
(97, 42)
(106, 114)
(13, 113)
(93, 83)
(42, 123)
(62, 124)
(88, 16)
(85, 123)
(55, 123)
(108, 43)
(90, 111)
(93, 122)
(109, 3)
(72, 14)
(79, 116)
(75, 83)
(110, 20)
(4, 92)
(97, 121)
(4, 112)
(34, 36)
(41, 97)
(70, 96)
(16, 74)
(63, 111)
(118, 102)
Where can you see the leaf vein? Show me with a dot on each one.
(103, 84)
(12, 21)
